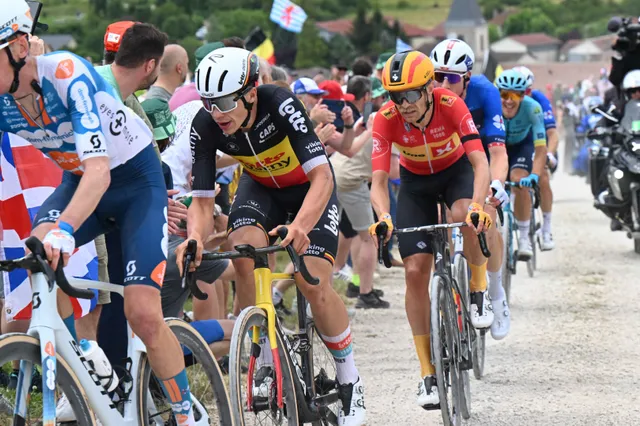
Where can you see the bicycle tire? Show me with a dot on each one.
(531, 263)
(479, 350)
(320, 365)
(443, 313)
(507, 241)
(249, 317)
(20, 346)
(189, 337)
(462, 277)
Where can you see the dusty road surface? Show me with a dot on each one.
(572, 355)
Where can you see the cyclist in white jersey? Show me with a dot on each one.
(112, 181)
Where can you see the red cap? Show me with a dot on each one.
(113, 36)
(334, 91)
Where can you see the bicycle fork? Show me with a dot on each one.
(263, 278)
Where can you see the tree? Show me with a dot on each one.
(528, 21)
(191, 44)
(362, 32)
(240, 22)
(494, 33)
(179, 26)
(312, 50)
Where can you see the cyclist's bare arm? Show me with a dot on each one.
(317, 197)
(552, 138)
(499, 163)
(200, 218)
(92, 186)
(481, 177)
(540, 159)
(380, 192)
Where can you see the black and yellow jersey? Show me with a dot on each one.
(277, 152)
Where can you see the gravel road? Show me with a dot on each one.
(571, 356)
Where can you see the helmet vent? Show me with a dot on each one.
(461, 59)
(206, 80)
(221, 82)
(447, 55)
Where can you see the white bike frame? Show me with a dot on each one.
(50, 330)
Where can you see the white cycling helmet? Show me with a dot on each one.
(527, 73)
(226, 71)
(452, 55)
(631, 80)
(16, 18)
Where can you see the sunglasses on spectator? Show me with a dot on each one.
(452, 78)
(411, 96)
(224, 104)
(511, 95)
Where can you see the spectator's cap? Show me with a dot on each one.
(382, 59)
(306, 85)
(202, 51)
(377, 89)
(161, 118)
(113, 36)
(334, 91)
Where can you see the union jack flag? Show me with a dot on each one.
(288, 15)
(27, 178)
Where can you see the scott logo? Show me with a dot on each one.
(131, 268)
(295, 116)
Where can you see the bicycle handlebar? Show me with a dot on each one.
(246, 251)
(36, 262)
(382, 228)
(534, 186)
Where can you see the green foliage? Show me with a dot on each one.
(529, 21)
(312, 50)
(494, 33)
(190, 44)
(240, 22)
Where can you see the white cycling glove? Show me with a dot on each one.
(553, 161)
(60, 239)
(500, 194)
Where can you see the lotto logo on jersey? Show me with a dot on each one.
(498, 122)
(447, 100)
(65, 69)
(294, 115)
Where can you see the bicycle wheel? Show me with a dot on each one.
(18, 346)
(210, 401)
(461, 275)
(264, 409)
(507, 256)
(478, 350)
(444, 330)
(531, 263)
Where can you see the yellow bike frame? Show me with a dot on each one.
(263, 278)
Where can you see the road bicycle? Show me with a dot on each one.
(301, 386)
(454, 341)
(510, 234)
(138, 399)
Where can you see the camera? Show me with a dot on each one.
(627, 32)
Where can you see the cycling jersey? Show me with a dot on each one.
(485, 105)
(547, 109)
(528, 119)
(82, 116)
(449, 134)
(277, 152)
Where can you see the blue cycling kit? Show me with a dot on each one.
(525, 131)
(81, 117)
(485, 105)
(547, 109)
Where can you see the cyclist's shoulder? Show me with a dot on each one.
(63, 66)
(444, 97)
(541, 98)
(481, 93)
(530, 106)
(387, 119)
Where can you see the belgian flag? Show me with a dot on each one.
(260, 44)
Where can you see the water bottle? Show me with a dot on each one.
(101, 366)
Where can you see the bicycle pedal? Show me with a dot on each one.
(431, 407)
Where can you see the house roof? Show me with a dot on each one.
(465, 12)
(57, 41)
(345, 26)
(562, 72)
(570, 44)
(535, 39)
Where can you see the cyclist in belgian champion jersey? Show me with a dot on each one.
(453, 60)
(441, 155)
(526, 147)
(112, 181)
(286, 174)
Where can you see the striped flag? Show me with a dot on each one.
(27, 178)
(288, 15)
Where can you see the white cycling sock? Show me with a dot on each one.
(523, 226)
(546, 222)
(342, 350)
(495, 285)
(276, 295)
(266, 357)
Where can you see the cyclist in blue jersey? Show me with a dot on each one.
(453, 60)
(112, 181)
(546, 194)
(526, 147)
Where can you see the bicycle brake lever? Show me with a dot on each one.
(475, 219)
(383, 248)
(499, 208)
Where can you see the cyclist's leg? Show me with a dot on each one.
(520, 166)
(139, 204)
(458, 196)
(330, 314)
(546, 205)
(494, 263)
